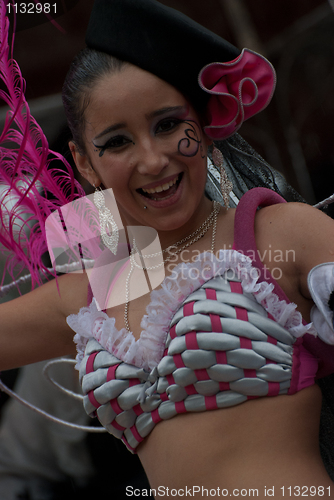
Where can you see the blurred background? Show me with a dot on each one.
(294, 134)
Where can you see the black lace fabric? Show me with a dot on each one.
(247, 169)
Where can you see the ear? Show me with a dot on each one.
(84, 165)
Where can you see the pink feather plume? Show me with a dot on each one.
(32, 187)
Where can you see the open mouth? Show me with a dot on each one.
(162, 192)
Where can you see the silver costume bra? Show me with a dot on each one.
(230, 340)
(207, 342)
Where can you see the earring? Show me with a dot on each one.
(110, 238)
(226, 185)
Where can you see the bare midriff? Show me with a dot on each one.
(264, 447)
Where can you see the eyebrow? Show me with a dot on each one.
(154, 114)
(112, 128)
(170, 109)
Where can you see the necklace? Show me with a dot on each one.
(179, 246)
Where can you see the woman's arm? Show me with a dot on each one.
(294, 237)
(33, 327)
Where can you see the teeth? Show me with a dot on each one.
(163, 187)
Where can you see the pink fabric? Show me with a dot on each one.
(244, 237)
(211, 403)
(172, 332)
(273, 389)
(93, 400)
(117, 426)
(271, 340)
(155, 416)
(249, 373)
(136, 434)
(138, 410)
(115, 406)
(239, 89)
(111, 372)
(180, 407)
(188, 309)
(90, 363)
(236, 287)
(241, 313)
(178, 361)
(191, 341)
(190, 390)
(202, 374)
(134, 381)
(224, 386)
(245, 343)
(221, 357)
(215, 323)
(308, 367)
(210, 294)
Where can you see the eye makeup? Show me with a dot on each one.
(115, 142)
(164, 121)
(169, 119)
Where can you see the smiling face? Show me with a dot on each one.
(144, 140)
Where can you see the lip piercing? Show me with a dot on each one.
(145, 208)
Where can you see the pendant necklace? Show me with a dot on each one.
(179, 246)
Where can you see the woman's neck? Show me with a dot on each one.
(168, 238)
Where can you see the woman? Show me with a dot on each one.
(218, 332)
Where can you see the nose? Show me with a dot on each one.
(151, 159)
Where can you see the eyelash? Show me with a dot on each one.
(111, 143)
(175, 122)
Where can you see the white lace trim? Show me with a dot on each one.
(147, 351)
(321, 285)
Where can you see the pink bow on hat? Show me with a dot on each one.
(239, 89)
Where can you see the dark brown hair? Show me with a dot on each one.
(86, 69)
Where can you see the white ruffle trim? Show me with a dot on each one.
(147, 351)
(321, 285)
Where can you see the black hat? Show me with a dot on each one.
(158, 39)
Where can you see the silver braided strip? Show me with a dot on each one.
(64, 268)
(45, 414)
(201, 369)
(325, 202)
(4, 290)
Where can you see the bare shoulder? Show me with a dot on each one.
(294, 215)
(297, 228)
